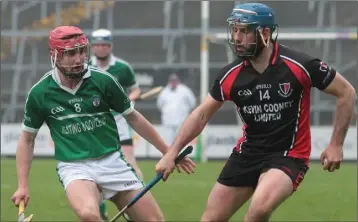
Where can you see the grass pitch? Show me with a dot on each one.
(322, 196)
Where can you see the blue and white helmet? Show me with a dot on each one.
(254, 16)
(102, 36)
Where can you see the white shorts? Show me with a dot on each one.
(123, 128)
(111, 173)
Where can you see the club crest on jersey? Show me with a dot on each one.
(96, 100)
(323, 67)
(285, 89)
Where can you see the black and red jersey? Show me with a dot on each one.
(274, 105)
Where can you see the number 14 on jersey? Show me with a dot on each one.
(264, 94)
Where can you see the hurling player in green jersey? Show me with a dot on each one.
(75, 101)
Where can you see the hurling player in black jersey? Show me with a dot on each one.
(270, 85)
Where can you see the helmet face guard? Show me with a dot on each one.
(69, 49)
(243, 30)
(67, 63)
(246, 20)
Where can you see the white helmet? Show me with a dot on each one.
(102, 36)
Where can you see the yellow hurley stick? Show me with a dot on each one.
(150, 93)
(21, 214)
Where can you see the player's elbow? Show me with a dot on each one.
(352, 91)
(347, 98)
(349, 93)
(342, 89)
(25, 145)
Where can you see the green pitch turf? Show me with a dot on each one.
(322, 196)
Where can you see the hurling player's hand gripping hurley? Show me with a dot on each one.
(21, 215)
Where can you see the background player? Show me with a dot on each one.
(270, 84)
(102, 45)
(75, 100)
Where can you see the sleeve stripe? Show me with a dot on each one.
(300, 65)
(131, 108)
(26, 128)
(228, 72)
(114, 79)
(29, 129)
(128, 111)
(225, 76)
(38, 82)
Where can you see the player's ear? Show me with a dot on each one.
(266, 33)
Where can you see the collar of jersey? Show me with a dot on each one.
(112, 61)
(56, 78)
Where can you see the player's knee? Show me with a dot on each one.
(211, 214)
(209, 217)
(147, 210)
(157, 217)
(259, 212)
(89, 214)
(154, 216)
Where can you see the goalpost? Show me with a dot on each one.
(221, 38)
(204, 75)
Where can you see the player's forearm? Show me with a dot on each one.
(134, 94)
(344, 113)
(190, 129)
(24, 156)
(146, 130)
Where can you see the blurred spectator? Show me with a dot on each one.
(175, 102)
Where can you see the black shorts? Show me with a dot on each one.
(244, 171)
(128, 142)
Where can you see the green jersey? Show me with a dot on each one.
(79, 119)
(121, 70)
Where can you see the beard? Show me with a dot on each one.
(254, 50)
(75, 74)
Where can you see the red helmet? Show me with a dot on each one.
(66, 38)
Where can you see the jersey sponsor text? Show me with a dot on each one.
(88, 125)
(267, 112)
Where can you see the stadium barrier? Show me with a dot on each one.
(221, 141)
